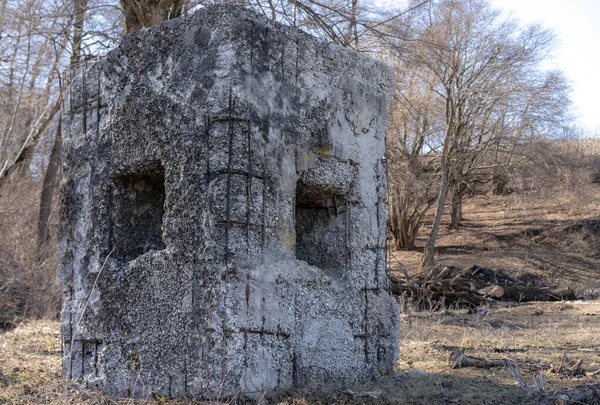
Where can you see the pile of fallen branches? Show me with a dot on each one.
(472, 287)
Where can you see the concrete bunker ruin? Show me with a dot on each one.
(222, 213)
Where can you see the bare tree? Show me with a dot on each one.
(50, 178)
(35, 37)
(38, 40)
(413, 172)
(361, 25)
(146, 13)
(486, 72)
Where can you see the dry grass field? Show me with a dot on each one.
(548, 235)
(538, 338)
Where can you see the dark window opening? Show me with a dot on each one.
(138, 207)
(321, 228)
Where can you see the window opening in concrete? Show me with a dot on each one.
(321, 228)
(138, 207)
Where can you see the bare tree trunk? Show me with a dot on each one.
(456, 216)
(3, 13)
(42, 121)
(273, 10)
(405, 219)
(429, 253)
(8, 130)
(48, 188)
(51, 175)
(13, 64)
(146, 13)
(352, 31)
(79, 7)
(27, 149)
(400, 225)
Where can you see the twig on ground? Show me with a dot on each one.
(458, 360)
(515, 372)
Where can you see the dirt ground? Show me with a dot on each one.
(552, 238)
(556, 240)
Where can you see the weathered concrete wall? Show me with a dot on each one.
(222, 218)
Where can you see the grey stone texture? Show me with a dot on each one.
(222, 212)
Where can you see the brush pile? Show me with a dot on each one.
(473, 287)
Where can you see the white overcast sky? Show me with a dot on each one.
(577, 24)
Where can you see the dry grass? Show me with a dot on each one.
(30, 370)
(535, 336)
(30, 374)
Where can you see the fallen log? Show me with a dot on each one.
(584, 394)
(455, 284)
(399, 287)
(459, 297)
(489, 276)
(458, 359)
(493, 291)
(526, 294)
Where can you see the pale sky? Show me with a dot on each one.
(577, 24)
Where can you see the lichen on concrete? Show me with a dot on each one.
(222, 212)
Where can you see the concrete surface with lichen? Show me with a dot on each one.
(222, 212)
